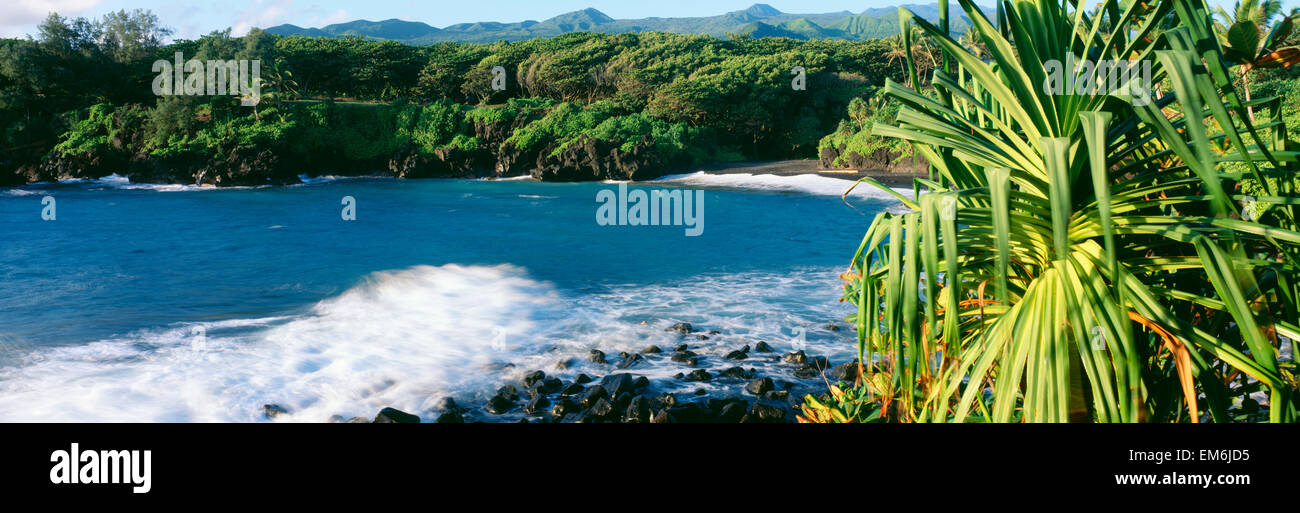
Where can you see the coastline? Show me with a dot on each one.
(772, 167)
(810, 167)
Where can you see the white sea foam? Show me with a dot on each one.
(804, 184)
(19, 192)
(399, 339)
(312, 180)
(168, 187)
(405, 339)
(116, 181)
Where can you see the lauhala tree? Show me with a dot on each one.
(1080, 256)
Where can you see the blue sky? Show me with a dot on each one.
(191, 19)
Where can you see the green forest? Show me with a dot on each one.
(76, 101)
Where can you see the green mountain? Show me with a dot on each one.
(588, 20)
(394, 29)
(807, 29)
(760, 29)
(760, 20)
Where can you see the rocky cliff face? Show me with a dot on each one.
(240, 167)
(592, 159)
(880, 160)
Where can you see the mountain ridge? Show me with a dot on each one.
(759, 20)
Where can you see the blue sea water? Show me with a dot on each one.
(173, 303)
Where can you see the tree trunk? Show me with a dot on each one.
(1245, 85)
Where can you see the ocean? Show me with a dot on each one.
(171, 303)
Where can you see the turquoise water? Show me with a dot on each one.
(170, 303)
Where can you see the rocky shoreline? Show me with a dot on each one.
(882, 162)
(586, 160)
(768, 390)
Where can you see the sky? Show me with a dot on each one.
(192, 19)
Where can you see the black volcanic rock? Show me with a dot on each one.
(537, 405)
(638, 410)
(681, 327)
(762, 413)
(735, 372)
(564, 407)
(593, 394)
(395, 416)
(688, 413)
(499, 404)
(759, 386)
(617, 384)
(601, 409)
(631, 360)
(272, 411)
(533, 377)
(846, 372)
(732, 412)
(699, 375)
(508, 392)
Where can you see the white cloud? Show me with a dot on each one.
(269, 13)
(20, 17)
(262, 13)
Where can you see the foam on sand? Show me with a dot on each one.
(799, 184)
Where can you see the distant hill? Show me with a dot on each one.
(760, 20)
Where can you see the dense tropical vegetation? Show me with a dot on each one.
(1084, 256)
(80, 89)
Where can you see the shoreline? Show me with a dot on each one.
(756, 168)
(810, 167)
(753, 383)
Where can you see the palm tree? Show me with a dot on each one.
(276, 85)
(1251, 39)
(916, 46)
(972, 43)
(1078, 257)
(897, 53)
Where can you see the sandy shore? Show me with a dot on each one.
(804, 167)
